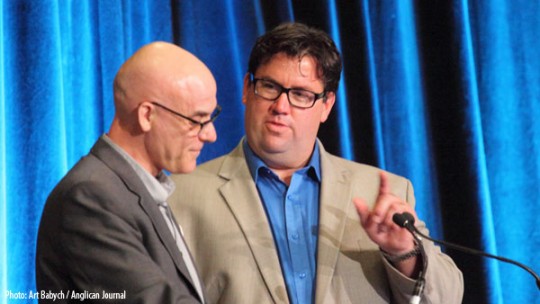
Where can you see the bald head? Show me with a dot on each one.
(159, 81)
(154, 72)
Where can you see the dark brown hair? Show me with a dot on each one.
(299, 40)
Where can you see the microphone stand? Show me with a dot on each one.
(421, 281)
(408, 223)
(406, 220)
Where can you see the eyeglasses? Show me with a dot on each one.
(194, 123)
(298, 98)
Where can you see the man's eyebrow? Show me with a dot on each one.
(201, 114)
(268, 78)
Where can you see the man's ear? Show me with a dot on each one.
(145, 116)
(327, 105)
(245, 91)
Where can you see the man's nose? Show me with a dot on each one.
(208, 133)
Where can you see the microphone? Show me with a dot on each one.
(406, 220)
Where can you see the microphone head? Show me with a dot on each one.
(399, 219)
(403, 219)
(409, 217)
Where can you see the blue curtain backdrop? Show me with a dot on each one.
(446, 93)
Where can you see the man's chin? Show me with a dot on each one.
(185, 168)
(275, 147)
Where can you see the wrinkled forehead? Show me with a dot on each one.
(306, 65)
(194, 92)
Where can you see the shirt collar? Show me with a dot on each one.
(160, 187)
(255, 162)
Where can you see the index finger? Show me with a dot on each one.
(385, 199)
(384, 186)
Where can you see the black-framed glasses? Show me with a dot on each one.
(200, 124)
(270, 90)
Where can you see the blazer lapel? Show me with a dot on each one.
(166, 236)
(242, 197)
(334, 203)
(118, 164)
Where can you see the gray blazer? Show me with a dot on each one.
(227, 230)
(102, 232)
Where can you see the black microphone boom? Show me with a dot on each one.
(406, 220)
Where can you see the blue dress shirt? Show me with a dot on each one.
(293, 213)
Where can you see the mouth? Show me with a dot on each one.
(196, 149)
(195, 153)
(276, 127)
(276, 124)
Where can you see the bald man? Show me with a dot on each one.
(106, 232)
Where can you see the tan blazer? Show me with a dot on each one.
(227, 230)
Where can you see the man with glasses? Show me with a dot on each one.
(280, 220)
(107, 232)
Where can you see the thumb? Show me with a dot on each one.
(362, 209)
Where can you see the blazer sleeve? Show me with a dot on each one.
(444, 281)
